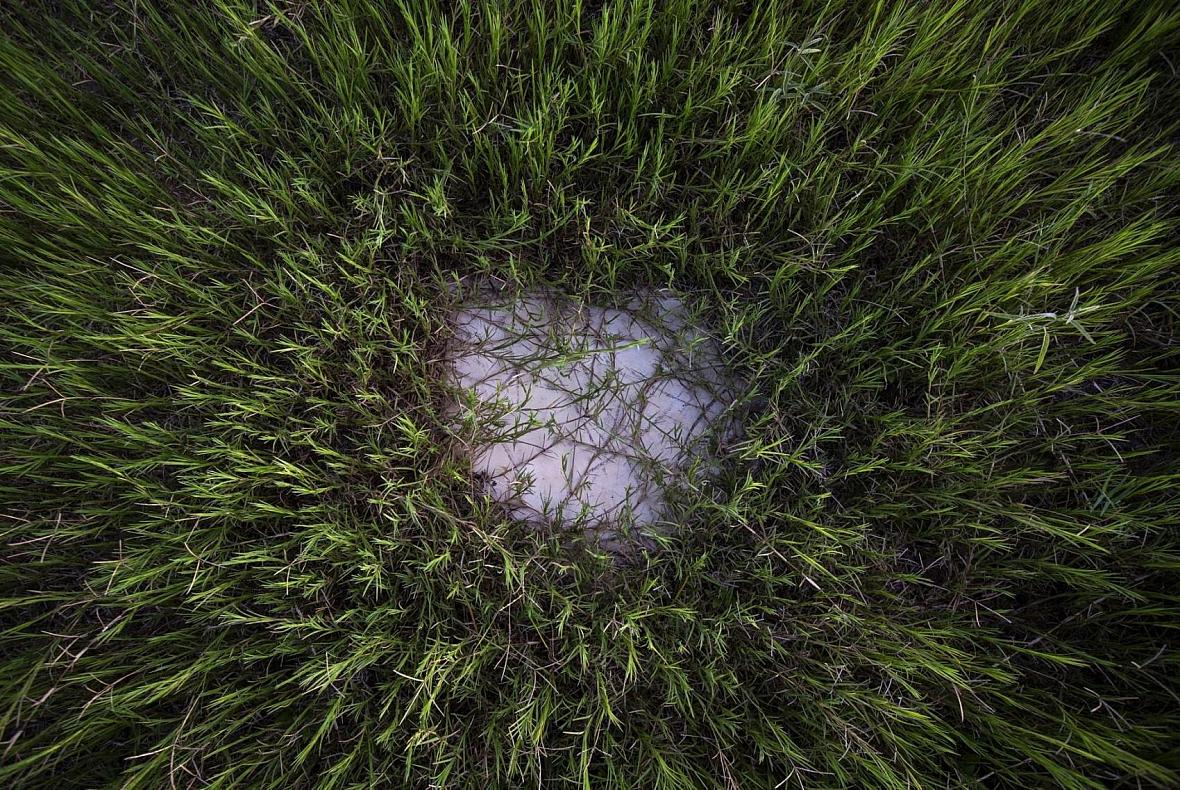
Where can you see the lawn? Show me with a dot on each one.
(242, 543)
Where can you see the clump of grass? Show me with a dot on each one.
(238, 549)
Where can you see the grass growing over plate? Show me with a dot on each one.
(241, 549)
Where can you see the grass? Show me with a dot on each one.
(241, 550)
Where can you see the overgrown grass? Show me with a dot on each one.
(241, 549)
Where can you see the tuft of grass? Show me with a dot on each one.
(940, 242)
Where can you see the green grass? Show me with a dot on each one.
(240, 547)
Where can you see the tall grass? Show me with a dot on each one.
(241, 549)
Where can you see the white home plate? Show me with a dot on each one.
(587, 415)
